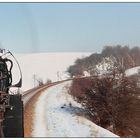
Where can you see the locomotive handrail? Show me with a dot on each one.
(19, 84)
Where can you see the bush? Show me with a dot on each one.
(111, 101)
(48, 81)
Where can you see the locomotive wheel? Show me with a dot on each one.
(13, 118)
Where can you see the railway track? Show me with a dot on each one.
(30, 98)
(27, 95)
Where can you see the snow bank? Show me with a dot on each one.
(56, 115)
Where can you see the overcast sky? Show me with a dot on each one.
(68, 27)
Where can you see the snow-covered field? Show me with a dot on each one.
(55, 117)
(47, 66)
(44, 66)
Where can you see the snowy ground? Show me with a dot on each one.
(132, 71)
(55, 117)
(44, 66)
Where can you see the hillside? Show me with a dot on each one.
(44, 66)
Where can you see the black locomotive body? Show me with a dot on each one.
(11, 105)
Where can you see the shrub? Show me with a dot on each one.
(111, 102)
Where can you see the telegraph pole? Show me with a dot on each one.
(34, 78)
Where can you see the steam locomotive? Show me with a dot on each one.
(11, 105)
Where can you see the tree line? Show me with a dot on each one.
(128, 57)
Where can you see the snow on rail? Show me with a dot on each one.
(56, 116)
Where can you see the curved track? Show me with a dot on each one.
(29, 100)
